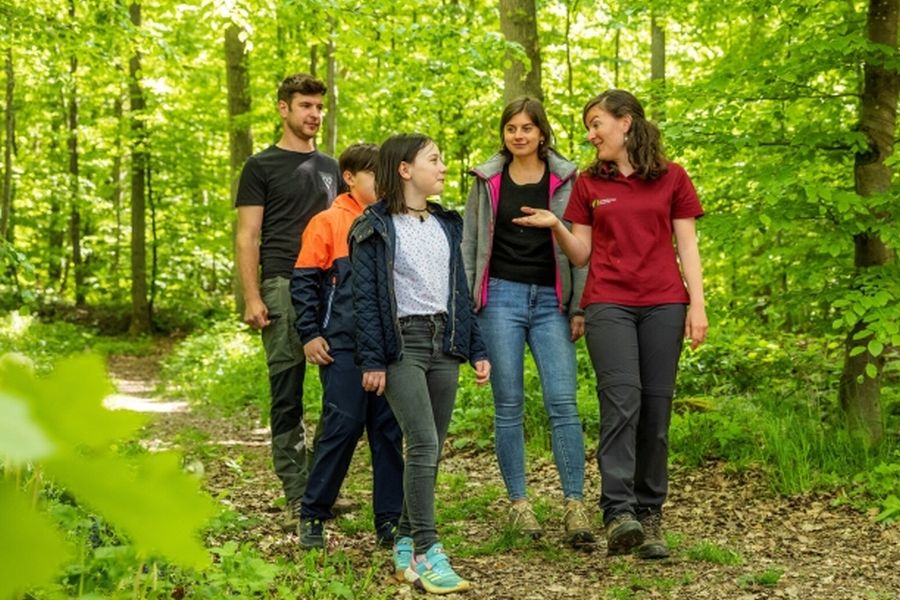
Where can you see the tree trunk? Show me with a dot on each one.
(658, 69)
(140, 308)
(616, 59)
(518, 23)
(8, 148)
(56, 235)
(74, 206)
(571, 11)
(331, 88)
(116, 181)
(240, 140)
(860, 393)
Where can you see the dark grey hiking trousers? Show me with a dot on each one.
(634, 351)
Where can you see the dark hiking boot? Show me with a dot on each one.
(312, 534)
(385, 534)
(654, 546)
(623, 533)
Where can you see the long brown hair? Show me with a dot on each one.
(396, 149)
(643, 141)
(535, 111)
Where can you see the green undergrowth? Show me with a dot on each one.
(45, 343)
(223, 366)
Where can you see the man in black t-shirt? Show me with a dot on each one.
(280, 189)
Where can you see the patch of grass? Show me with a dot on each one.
(45, 343)
(654, 584)
(713, 553)
(619, 592)
(767, 578)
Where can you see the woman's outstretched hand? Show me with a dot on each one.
(536, 217)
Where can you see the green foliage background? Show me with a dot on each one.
(760, 104)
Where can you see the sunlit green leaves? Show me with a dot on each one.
(59, 425)
(21, 440)
(31, 550)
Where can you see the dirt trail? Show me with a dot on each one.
(822, 550)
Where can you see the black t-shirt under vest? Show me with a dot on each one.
(292, 187)
(522, 254)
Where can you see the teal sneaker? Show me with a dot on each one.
(434, 574)
(403, 554)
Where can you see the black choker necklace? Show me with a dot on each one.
(421, 212)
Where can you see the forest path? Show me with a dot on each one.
(729, 531)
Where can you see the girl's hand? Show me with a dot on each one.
(696, 325)
(537, 217)
(576, 324)
(374, 381)
(482, 371)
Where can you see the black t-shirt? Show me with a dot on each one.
(523, 254)
(292, 186)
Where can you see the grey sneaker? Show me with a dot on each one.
(623, 533)
(577, 525)
(654, 546)
(522, 519)
(312, 534)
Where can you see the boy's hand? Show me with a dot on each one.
(316, 351)
(374, 381)
(482, 371)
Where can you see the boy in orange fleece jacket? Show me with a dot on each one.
(323, 300)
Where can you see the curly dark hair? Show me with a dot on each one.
(300, 83)
(643, 142)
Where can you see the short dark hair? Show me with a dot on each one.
(300, 83)
(535, 111)
(643, 144)
(359, 157)
(403, 147)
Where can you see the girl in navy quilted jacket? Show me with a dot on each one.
(414, 326)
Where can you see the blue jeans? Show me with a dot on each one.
(517, 313)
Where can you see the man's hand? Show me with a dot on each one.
(256, 314)
(316, 351)
(374, 381)
(482, 371)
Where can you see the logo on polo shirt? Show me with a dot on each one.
(601, 202)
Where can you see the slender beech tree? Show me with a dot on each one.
(6, 221)
(140, 307)
(518, 23)
(658, 68)
(74, 200)
(240, 140)
(331, 117)
(860, 384)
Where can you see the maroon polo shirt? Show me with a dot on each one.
(632, 252)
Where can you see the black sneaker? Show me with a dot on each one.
(385, 534)
(312, 534)
(623, 533)
(654, 546)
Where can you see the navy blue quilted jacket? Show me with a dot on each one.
(378, 339)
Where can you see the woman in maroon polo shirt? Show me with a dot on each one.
(639, 306)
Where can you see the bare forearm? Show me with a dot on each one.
(575, 248)
(247, 259)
